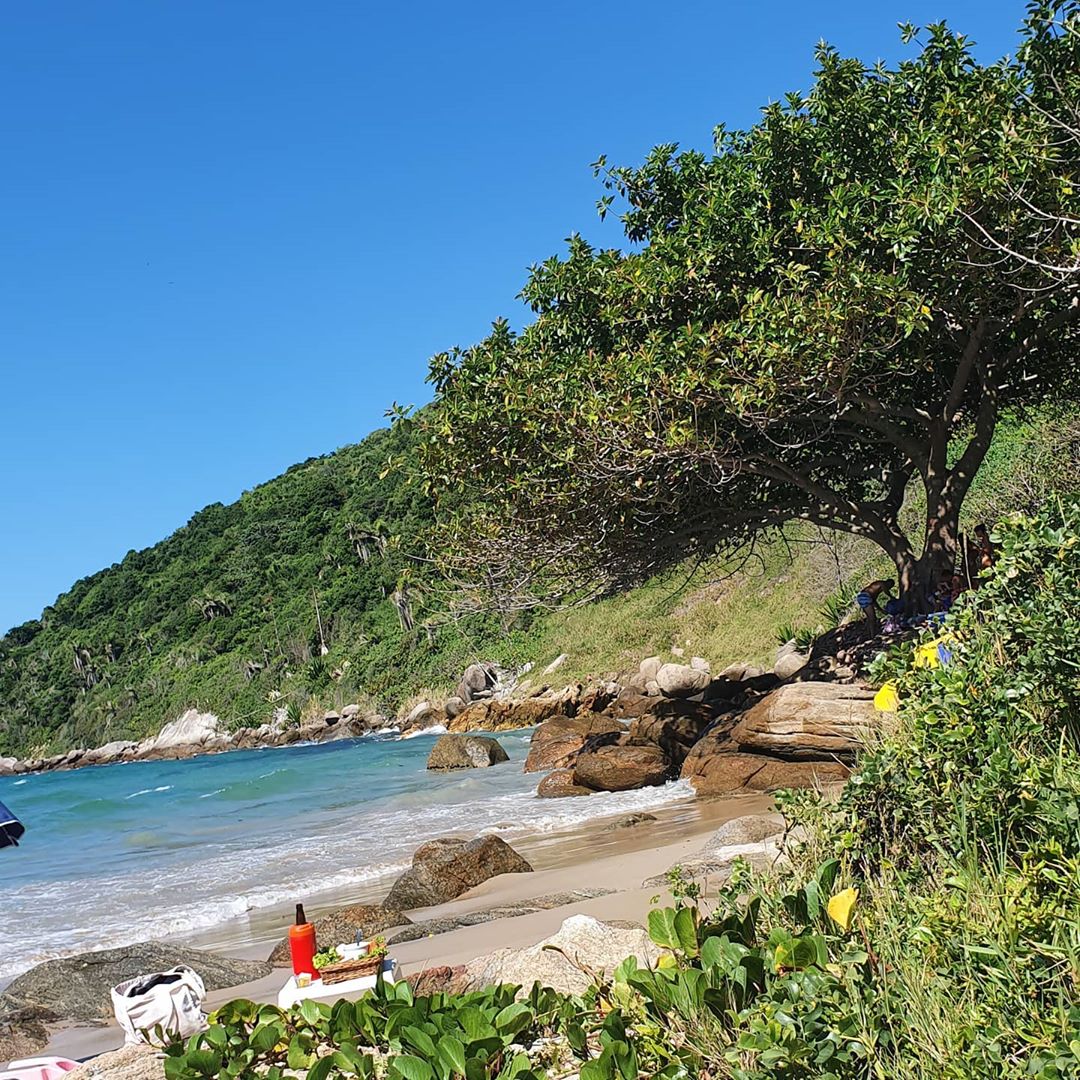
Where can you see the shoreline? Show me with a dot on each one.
(616, 859)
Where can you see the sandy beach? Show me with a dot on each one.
(592, 855)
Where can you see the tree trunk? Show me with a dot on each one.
(919, 578)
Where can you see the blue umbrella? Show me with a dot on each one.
(11, 828)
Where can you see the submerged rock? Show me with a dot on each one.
(465, 752)
(443, 869)
(560, 785)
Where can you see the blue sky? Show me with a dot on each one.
(231, 234)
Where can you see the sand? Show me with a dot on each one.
(590, 856)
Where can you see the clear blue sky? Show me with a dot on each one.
(233, 233)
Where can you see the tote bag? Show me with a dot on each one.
(171, 1000)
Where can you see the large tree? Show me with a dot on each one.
(835, 305)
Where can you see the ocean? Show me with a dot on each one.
(117, 854)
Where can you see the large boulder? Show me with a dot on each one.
(560, 784)
(76, 988)
(343, 926)
(622, 767)
(716, 766)
(23, 1031)
(681, 680)
(649, 667)
(808, 720)
(7, 766)
(443, 869)
(565, 960)
(789, 662)
(465, 752)
(557, 742)
(747, 829)
(191, 732)
(673, 725)
(477, 682)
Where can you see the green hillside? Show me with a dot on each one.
(222, 614)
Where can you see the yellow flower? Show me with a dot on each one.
(887, 699)
(841, 908)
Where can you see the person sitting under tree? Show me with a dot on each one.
(867, 600)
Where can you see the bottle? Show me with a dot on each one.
(302, 945)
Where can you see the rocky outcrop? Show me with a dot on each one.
(76, 988)
(443, 869)
(560, 785)
(682, 680)
(423, 716)
(621, 767)
(190, 732)
(674, 726)
(465, 752)
(512, 715)
(556, 743)
(563, 961)
(477, 682)
(343, 926)
(715, 766)
(807, 721)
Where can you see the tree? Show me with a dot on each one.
(805, 323)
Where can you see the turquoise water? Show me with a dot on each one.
(122, 853)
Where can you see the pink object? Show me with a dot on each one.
(43, 1068)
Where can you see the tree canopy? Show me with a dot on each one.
(835, 304)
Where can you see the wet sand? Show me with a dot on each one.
(589, 856)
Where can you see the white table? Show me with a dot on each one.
(290, 993)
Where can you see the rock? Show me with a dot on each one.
(331, 718)
(716, 766)
(350, 711)
(139, 1062)
(560, 784)
(630, 704)
(422, 715)
(748, 829)
(454, 707)
(478, 681)
(598, 697)
(23, 1031)
(433, 927)
(630, 822)
(738, 671)
(561, 961)
(673, 725)
(439, 980)
(717, 865)
(190, 730)
(557, 742)
(556, 664)
(652, 688)
(621, 768)
(344, 925)
(7, 766)
(649, 667)
(77, 988)
(465, 752)
(808, 720)
(512, 715)
(443, 869)
(789, 664)
(681, 680)
(699, 663)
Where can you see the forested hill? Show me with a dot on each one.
(222, 614)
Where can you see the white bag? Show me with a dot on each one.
(171, 1000)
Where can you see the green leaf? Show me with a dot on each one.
(452, 1052)
(408, 1067)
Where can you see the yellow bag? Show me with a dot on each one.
(887, 699)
